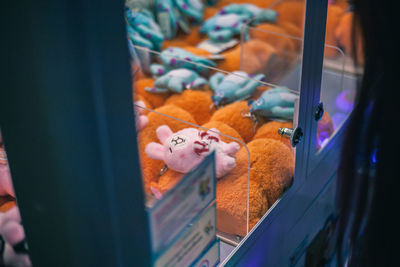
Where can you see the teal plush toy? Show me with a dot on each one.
(253, 12)
(229, 21)
(275, 103)
(143, 30)
(235, 86)
(174, 58)
(221, 28)
(172, 14)
(176, 80)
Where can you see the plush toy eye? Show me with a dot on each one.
(178, 141)
(170, 149)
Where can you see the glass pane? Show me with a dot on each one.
(204, 77)
(340, 74)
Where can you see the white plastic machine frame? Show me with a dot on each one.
(86, 210)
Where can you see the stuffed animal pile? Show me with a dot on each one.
(239, 113)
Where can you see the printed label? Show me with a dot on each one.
(210, 258)
(179, 206)
(192, 242)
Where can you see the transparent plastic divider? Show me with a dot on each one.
(278, 56)
(166, 112)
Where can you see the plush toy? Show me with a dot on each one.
(343, 35)
(6, 187)
(292, 11)
(254, 12)
(185, 149)
(259, 58)
(236, 86)
(222, 27)
(143, 30)
(277, 36)
(173, 58)
(146, 103)
(170, 177)
(176, 80)
(172, 14)
(14, 249)
(271, 172)
(227, 133)
(176, 119)
(345, 100)
(234, 116)
(270, 130)
(275, 103)
(261, 4)
(184, 40)
(155, 100)
(197, 103)
(333, 18)
(141, 120)
(325, 129)
(229, 21)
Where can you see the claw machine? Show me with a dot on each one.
(176, 133)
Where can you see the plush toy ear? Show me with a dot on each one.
(163, 132)
(154, 151)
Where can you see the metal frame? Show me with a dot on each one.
(259, 247)
(68, 126)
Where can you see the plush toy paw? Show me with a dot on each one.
(14, 247)
(185, 149)
(236, 86)
(141, 120)
(277, 103)
(174, 58)
(6, 187)
(176, 80)
(143, 30)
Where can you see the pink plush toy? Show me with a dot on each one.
(6, 187)
(14, 250)
(185, 149)
(141, 120)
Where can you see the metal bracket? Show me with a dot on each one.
(295, 135)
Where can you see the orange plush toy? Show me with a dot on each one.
(271, 172)
(325, 129)
(333, 18)
(233, 115)
(258, 54)
(343, 34)
(270, 130)
(291, 11)
(197, 103)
